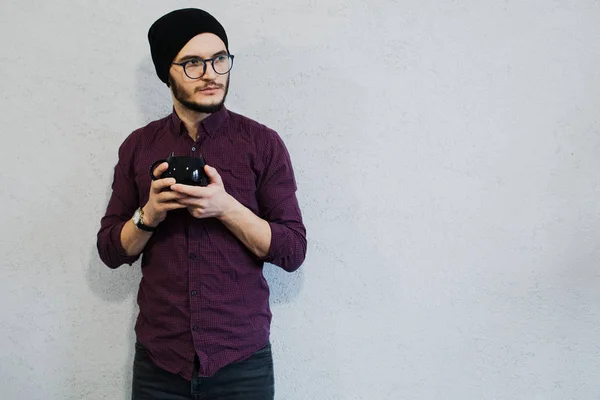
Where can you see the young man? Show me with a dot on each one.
(203, 326)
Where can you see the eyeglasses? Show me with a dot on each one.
(196, 67)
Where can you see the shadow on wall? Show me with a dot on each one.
(117, 286)
(323, 110)
(152, 96)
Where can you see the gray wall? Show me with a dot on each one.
(447, 154)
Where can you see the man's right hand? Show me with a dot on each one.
(160, 201)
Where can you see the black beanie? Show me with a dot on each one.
(171, 32)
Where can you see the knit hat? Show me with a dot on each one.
(171, 32)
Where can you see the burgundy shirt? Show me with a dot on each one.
(202, 291)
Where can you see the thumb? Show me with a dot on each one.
(213, 175)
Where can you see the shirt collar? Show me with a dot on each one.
(210, 124)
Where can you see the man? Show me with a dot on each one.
(203, 325)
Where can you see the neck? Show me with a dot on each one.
(190, 118)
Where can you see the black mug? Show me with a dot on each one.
(186, 170)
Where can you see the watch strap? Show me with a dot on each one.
(143, 227)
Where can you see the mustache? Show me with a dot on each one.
(209, 85)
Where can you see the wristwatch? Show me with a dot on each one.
(138, 220)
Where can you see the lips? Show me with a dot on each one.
(210, 88)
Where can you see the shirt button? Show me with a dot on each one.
(192, 256)
(195, 328)
(194, 292)
(193, 149)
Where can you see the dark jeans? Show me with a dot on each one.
(251, 379)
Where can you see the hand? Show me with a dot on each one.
(160, 201)
(206, 202)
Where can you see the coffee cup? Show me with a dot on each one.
(186, 170)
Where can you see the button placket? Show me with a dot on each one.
(194, 301)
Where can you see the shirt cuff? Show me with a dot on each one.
(115, 238)
(277, 240)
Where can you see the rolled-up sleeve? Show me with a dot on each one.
(278, 205)
(122, 204)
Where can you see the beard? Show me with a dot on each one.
(185, 98)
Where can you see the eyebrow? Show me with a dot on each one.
(190, 56)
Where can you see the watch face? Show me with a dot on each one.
(136, 217)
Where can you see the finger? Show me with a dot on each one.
(213, 175)
(191, 201)
(171, 206)
(161, 184)
(193, 191)
(158, 171)
(164, 197)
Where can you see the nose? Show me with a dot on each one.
(210, 73)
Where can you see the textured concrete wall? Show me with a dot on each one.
(447, 154)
